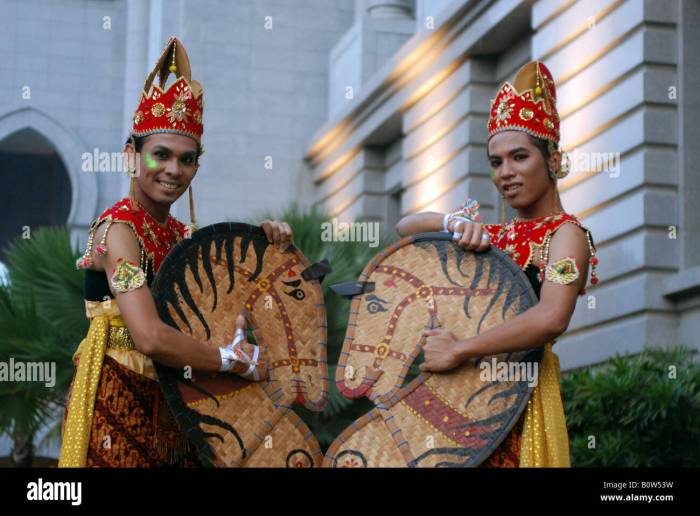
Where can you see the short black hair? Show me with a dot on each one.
(138, 142)
(540, 143)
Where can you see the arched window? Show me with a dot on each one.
(36, 189)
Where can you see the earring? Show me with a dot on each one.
(132, 193)
(192, 226)
(564, 166)
(503, 210)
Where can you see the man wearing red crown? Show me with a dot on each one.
(550, 245)
(116, 415)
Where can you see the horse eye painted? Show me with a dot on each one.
(375, 304)
(373, 307)
(297, 294)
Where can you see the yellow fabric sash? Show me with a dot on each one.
(545, 440)
(79, 412)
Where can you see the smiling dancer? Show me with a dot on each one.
(550, 245)
(116, 414)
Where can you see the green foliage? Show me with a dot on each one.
(347, 260)
(43, 267)
(639, 413)
(42, 319)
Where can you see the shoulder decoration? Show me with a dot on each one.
(155, 238)
(127, 276)
(562, 271)
(520, 239)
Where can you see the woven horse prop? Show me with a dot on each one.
(456, 418)
(204, 283)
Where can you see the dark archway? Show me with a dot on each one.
(36, 189)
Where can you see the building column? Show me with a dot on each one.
(381, 28)
(390, 8)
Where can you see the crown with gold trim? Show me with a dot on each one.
(528, 105)
(177, 109)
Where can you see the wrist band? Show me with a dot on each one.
(252, 372)
(445, 220)
(228, 359)
(238, 336)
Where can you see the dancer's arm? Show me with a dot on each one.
(151, 336)
(542, 323)
(472, 232)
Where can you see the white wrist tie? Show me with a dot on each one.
(228, 359)
(233, 354)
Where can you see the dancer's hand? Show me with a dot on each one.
(244, 352)
(278, 233)
(474, 237)
(440, 351)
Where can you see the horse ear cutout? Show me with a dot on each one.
(317, 271)
(353, 288)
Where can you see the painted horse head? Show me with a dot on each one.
(205, 282)
(421, 282)
(454, 418)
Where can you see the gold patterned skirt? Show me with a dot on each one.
(132, 425)
(116, 414)
(539, 439)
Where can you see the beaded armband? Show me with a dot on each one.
(127, 276)
(545, 272)
(85, 261)
(562, 271)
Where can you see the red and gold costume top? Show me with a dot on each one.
(520, 239)
(155, 239)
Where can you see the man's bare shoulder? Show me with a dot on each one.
(121, 242)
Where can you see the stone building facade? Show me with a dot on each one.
(413, 138)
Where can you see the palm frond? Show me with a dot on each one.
(43, 267)
(42, 319)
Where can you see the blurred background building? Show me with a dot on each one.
(378, 109)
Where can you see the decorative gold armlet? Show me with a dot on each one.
(562, 271)
(127, 276)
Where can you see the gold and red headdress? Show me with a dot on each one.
(176, 109)
(528, 105)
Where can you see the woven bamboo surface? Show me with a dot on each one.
(201, 288)
(456, 418)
